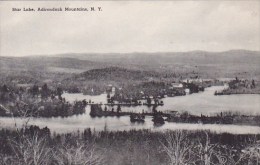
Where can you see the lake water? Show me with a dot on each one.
(204, 102)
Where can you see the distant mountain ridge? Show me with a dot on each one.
(199, 57)
(242, 63)
(46, 63)
(231, 63)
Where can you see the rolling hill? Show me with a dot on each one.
(228, 64)
(242, 63)
(116, 74)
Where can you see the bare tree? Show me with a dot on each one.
(31, 150)
(205, 151)
(80, 154)
(5, 159)
(252, 153)
(178, 147)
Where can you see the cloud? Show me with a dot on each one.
(124, 26)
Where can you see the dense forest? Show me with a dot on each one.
(37, 101)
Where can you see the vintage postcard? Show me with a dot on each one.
(130, 82)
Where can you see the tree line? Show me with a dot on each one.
(33, 145)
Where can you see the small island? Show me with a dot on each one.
(241, 86)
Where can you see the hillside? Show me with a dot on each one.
(242, 63)
(116, 74)
(42, 68)
(96, 81)
(46, 63)
(228, 64)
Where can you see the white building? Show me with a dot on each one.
(177, 85)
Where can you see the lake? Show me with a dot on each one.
(204, 102)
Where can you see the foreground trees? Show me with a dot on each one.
(182, 151)
(35, 146)
(30, 151)
(178, 148)
(78, 154)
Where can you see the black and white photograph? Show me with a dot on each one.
(130, 82)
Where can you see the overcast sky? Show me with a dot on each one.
(123, 26)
